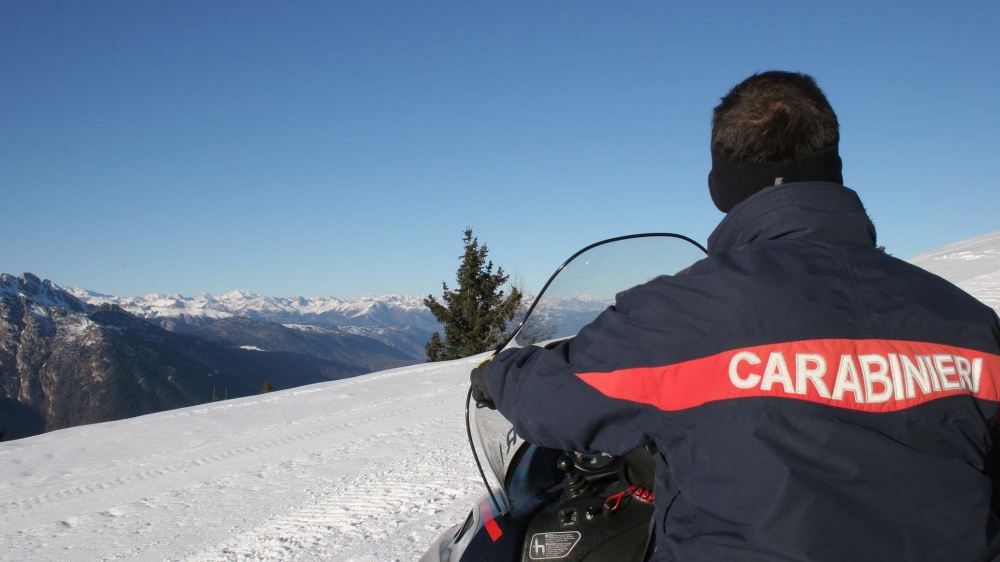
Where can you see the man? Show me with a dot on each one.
(809, 397)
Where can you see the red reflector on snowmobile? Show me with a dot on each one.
(489, 522)
(494, 530)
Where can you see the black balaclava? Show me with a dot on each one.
(731, 182)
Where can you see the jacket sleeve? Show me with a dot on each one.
(538, 390)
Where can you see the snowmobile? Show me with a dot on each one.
(548, 504)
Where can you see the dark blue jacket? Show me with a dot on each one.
(810, 397)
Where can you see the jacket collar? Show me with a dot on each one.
(821, 211)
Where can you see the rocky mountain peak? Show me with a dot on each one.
(43, 293)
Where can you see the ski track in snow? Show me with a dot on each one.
(365, 469)
(365, 516)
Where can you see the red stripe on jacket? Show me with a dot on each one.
(868, 375)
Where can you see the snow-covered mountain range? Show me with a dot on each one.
(179, 312)
(65, 361)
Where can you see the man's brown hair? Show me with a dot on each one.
(773, 116)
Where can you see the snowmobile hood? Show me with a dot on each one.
(820, 211)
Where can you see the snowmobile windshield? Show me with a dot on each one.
(580, 289)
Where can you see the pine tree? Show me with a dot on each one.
(268, 387)
(434, 348)
(477, 315)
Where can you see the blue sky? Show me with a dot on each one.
(341, 147)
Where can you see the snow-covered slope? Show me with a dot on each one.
(972, 264)
(369, 468)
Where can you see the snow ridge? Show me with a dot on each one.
(388, 310)
(369, 468)
(972, 264)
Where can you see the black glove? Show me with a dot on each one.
(479, 392)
